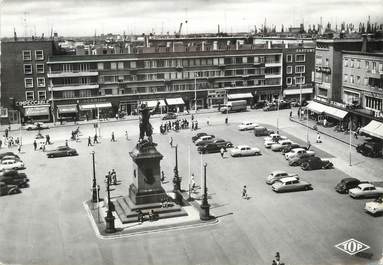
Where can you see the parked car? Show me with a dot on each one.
(269, 143)
(375, 207)
(270, 107)
(204, 140)
(262, 131)
(6, 189)
(209, 148)
(292, 146)
(365, 190)
(278, 147)
(290, 184)
(278, 174)
(169, 116)
(244, 150)
(297, 161)
(348, 183)
(235, 105)
(9, 154)
(62, 151)
(314, 163)
(284, 105)
(370, 149)
(259, 105)
(197, 136)
(247, 125)
(11, 164)
(222, 143)
(297, 152)
(13, 177)
(275, 137)
(36, 126)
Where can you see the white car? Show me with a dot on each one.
(297, 152)
(374, 207)
(36, 126)
(244, 150)
(269, 143)
(204, 138)
(280, 145)
(275, 137)
(247, 125)
(365, 190)
(11, 164)
(277, 175)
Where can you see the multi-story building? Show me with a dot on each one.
(119, 82)
(24, 78)
(298, 69)
(362, 85)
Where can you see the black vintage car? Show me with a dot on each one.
(209, 148)
(346, 184)
(259, 105)
(62, 151)
(198, 135)
(314, 163)
(297, 161)
(8, 189)
(9, 154)
(13, 177)
(370, 149)
(223, 143)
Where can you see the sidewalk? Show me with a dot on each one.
(16, 127)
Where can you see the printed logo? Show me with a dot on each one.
(352, 246)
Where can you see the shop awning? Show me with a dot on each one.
(374, 128)
(95, 106)
(175, 101)
(330, 111)
(37, 110)
(72, 108)
(297, 91)
(153, 103)
(239, 96)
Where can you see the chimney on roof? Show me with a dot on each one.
(364, 43)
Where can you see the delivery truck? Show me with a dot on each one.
(232, 106)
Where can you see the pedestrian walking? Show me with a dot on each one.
(162, 176)
(291, 113)
(90, 141)
(274, 262)
(95, 139)
(318, 138)
(66, 143)
(43, 147)
(114, 177)
(113, 139)
(244, 193)
(126, 135)
(1, 144)
(226, 120)
(171, 141)
(324, 122)
(208, 122)
(222, 151)
(19, 148)
(277, 258)
(192, 182)
(34, 145)
(6, 132)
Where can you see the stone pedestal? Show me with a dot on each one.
(146, 187)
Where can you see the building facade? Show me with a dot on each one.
(298, 71)
(362, 85)
(24, 78)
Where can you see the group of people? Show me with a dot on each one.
(75, 134)
(42, 144)
(111, 177)
(174, 125)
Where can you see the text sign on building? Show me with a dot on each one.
(304, 50)
(30, 102)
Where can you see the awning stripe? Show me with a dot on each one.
(374, 128)
(37, 111)
(239, 96)
(71, 108)
(298, 91)
(330, 111)
(175, 101)
(153, 103)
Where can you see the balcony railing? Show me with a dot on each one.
(64, 87)
(73, 73)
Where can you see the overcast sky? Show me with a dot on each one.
(84, 17)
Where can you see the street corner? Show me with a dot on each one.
(130, 225)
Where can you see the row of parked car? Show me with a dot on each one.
(11, 180)
(210, 144)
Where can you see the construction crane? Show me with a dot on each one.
(178, 34)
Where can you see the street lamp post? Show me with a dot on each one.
(205, 207)
(195, 92)
(94, 186)
(109, 219)
(177, 180)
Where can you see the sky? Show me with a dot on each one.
(85, 17)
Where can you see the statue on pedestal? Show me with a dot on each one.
(145, 126)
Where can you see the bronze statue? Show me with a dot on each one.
(145, 126)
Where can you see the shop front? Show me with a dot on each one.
(67, 112)
(35, 113)
(153, 103)
(241, 96)
(328, 115)
(298, 94)
(128, 107)
(175, 104)
(102, 110)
